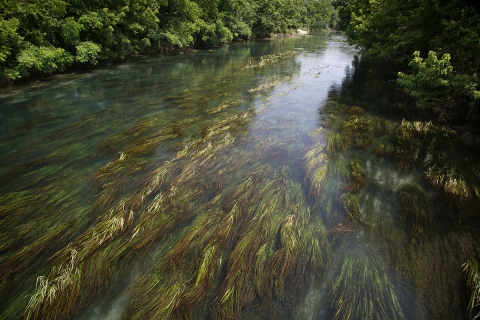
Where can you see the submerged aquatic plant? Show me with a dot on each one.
(439, 151)
(337, 142)
(416, 210)
(362, 290)
(357, 179)
(351, 206)
(65, 283)
(451, 180)
(383, 149)
(473, 274)
(316, 168)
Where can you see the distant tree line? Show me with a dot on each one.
(46, 36)
(436, 43)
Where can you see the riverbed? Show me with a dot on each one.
(278, 179)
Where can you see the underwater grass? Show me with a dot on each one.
(473, 281)
(357, 179)
(362, 290)
(414, 203)
(137, 199)
(337, 142)
(441, 154)
(430, 267)
(316, 168)
(351, 206)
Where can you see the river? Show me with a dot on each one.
(277, 179)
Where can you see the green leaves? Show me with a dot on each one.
(44, 59)
(88, 52)
(48, 36)
(394, 30)
(435, 85)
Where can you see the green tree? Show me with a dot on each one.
(394, 30)
(436, 86)
(46, 36)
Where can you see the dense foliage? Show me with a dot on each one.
(49, 35)
(440, 38)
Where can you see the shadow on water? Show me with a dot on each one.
(422, 246)
(271, 179)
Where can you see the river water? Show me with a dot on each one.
(282, 179)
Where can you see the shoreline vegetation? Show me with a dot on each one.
(38, 38)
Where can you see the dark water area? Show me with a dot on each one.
(279, 179)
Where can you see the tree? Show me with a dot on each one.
(394, 30)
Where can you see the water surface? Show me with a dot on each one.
(257, 180)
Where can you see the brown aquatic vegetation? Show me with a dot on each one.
(383, 149)
(341, 229)
(451, 180)
(66, 283)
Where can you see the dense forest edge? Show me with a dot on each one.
(45, 37)
(435, 44)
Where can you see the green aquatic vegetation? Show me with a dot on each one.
(208, 230)
(167, 293)
(356, 110)
(439, 151)
(359, 129)
(351, 206)
(414, 203)
(208, 267)
(363, 129)
(316, 165)
(357, 179)
(283, 260)
(232, 123)
(383, 149)
(429, 266)
(313, 253)
(362, 290)
(409, 137)
(21, 260)
(268, 83)
(257, 202)
(269, 59)
(224, 106)
(423, 143)
(337, 142)
(335, 113)
(64, 284)
(473, 281)
(119, 140)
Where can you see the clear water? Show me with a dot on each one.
(179, 186)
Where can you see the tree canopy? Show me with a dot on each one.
(45, 36)
(438, 39)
